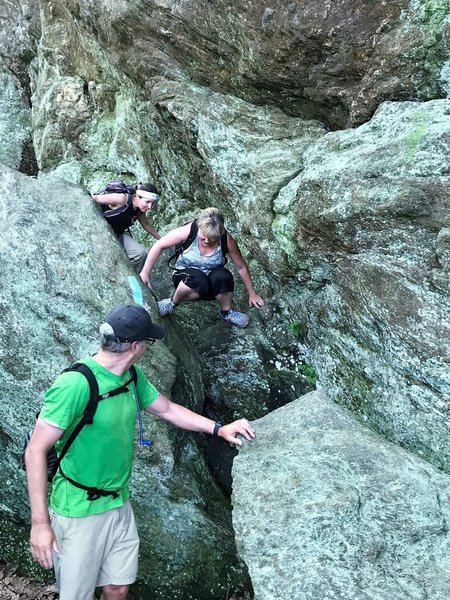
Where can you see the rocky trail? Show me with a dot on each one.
(15, 587)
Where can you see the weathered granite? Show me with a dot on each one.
(325, 508)
(337, 218)
(347, 233)
(354, 225)
(371, 223)
(15, 124)
(19, 32)
(334, 61)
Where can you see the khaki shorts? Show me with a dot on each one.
(95, 551)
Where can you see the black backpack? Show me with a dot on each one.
(179, 248)
(53, 459)
(117, 187)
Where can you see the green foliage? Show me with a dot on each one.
(298, 329)
(308, 372)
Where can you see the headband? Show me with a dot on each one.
(148, 195)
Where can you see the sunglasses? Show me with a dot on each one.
(150, 341)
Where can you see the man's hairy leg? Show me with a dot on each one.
(114, 592)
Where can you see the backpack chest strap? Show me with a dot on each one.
(116, 391)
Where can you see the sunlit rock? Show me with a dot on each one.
(325, 508)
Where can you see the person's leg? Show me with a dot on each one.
(83, 543)
(190, 285)
(96, 551)
(114, 592)
(135, 251)
(225, 301)
(119, 567)
(222, 286)
(183, 293)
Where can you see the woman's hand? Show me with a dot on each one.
(145, 279)
(255, 299)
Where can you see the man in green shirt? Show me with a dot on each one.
(93, 542)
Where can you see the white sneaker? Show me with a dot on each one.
(166, 306)
(236, 318)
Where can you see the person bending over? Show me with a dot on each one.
(199, 270)
(122, 210)
(91, 539)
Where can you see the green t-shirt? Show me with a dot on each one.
(102, 453)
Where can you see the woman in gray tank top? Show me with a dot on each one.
(199, 271)
(195, 257)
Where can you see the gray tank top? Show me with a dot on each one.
(192, 259)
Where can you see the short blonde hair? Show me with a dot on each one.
(211, 223)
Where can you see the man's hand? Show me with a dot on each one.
(43, 541)
(230, 431)
(255, 300)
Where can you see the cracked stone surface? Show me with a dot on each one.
(347, 515)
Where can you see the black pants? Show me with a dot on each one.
(219, 281)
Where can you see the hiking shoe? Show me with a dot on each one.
(236, 318)
(166, 306)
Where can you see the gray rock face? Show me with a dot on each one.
(372, 211)
(358, 237)
(19, 32)
(346, 515)
(57, 284)
(334, 61)
(352, 223)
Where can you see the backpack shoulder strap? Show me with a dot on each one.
(192, 233)
(179, 248)
(224, 244)
(91, 406)
(133, 374)
(88, 414)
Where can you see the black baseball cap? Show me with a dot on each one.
(132, 323)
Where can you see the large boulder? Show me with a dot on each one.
(369, 219)
(61, 271)
(334, 61)
(346, 515)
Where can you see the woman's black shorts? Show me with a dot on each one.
(219, 281)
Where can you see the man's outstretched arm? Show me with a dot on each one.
(187, 419)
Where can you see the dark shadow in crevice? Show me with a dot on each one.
(28, 163)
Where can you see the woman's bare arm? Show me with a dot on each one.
(254, 299)
(113, 200)
(174, 237)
